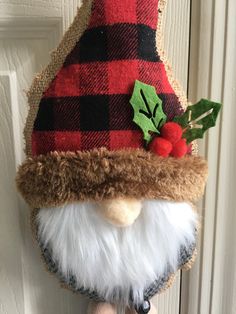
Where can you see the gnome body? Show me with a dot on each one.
(113, 220)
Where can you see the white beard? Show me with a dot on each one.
(105, 258)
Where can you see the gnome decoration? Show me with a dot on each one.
(111, 172)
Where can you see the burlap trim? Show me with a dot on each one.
(169, 283)
(187, 266)
(59, 178)
(71, 37)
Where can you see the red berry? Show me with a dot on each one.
(161, 147)
(180, 149)
(172, 132)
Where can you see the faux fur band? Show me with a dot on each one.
(60, 178)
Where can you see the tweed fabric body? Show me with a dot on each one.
(87, 105)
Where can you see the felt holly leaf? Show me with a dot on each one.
(198, 118)
(148, 112)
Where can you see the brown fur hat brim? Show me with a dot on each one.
(59, 178)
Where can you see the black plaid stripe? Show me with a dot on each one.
(122, 42)
(45, 118)
(92, 46)
(85, 113)
(94, 113)
(147, 44)
(115, 42)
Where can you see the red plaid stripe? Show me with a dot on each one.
(106, 78)
(121, 12)
(79, 80)
(108, 12)
(87, 104)
(45, 142)
(98, 15)
(147, 12)
(155, 74)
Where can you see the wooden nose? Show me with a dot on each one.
(120, 212)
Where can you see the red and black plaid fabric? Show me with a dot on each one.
(87, 104)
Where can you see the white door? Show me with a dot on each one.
(29, 30)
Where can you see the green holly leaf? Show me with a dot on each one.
(198, 118)
(148, 112)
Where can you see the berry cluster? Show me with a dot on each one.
(170, 141)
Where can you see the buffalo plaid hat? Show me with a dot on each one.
(81, 141)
